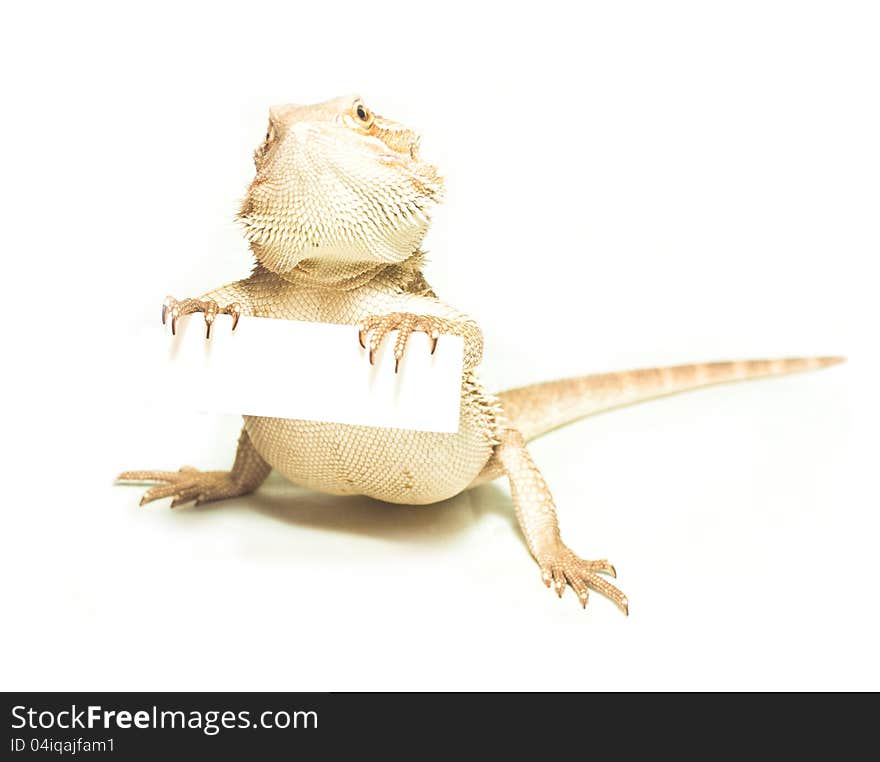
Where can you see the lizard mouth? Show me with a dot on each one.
(398, 138)
(414, 149)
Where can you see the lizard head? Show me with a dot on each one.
(336, 182)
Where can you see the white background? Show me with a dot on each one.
(629, 184)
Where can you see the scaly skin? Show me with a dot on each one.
(335, 217)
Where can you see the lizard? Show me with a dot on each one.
(335, 218)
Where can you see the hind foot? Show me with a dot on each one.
(562, 567)
(187, 484)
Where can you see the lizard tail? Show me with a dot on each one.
(536, 409)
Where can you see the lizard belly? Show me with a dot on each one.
(395, 465)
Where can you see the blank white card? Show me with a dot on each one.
(311, 371)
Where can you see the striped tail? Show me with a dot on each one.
(539, 408)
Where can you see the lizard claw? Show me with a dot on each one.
(211, 310)
(166, 305)
(170, 307)
(234, 309)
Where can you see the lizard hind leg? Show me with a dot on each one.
(189, 484)
(536, 514)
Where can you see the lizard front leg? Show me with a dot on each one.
(248, 472)
(536, 513)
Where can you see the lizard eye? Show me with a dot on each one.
(364, 115)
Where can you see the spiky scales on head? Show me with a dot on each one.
(337, 184)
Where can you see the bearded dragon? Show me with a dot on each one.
(335, 217)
